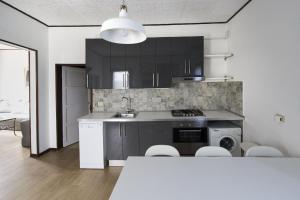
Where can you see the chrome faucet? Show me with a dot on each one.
(128, 99)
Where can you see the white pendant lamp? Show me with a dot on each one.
(122, 30)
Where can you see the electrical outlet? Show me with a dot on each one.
(278, 118)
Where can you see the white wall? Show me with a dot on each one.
(18, 28)
(14, 65)
(67, 45)
(265, 42)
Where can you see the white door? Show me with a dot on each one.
(75, 102)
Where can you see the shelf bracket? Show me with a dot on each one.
(226, 57)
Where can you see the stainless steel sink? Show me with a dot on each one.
(125, 115)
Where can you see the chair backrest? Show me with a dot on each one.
(212, 151)
(162, 150)
(263, 151)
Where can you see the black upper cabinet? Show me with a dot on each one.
(187, 56)
(163, 63)
(146, 71)
(148, 47)
(196, 58)
(155, 64)
(180, 51)
(133, 64)
(150, 64)
(117, 57)
(98, 64)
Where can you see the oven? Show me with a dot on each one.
(189, 136)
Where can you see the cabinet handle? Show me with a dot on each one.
(127, 81)
(123, 80)
(189, 66)
(157, 79)
(87, 80)
(153, 76)
(185, 66)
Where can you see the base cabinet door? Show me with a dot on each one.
(154, 133)
(113, 134)
(130, 139)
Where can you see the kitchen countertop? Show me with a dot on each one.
(210, 115)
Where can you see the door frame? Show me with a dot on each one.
(58, 92)
(31, 52)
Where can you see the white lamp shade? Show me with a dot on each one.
(122, 30)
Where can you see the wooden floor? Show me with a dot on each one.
(55, 175)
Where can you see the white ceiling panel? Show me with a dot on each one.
(94, 12)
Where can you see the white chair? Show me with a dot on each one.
(162, 150)
(212, 151)
(247, 145)
(263, 151)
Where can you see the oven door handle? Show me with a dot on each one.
(191, 131)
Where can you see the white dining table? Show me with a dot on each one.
(191, 178)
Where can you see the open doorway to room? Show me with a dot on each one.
(18, 101)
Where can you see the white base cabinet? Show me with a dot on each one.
(91, 145)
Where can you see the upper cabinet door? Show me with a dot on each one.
(180, 51)
(196, 58)
(133, 64)
(145, 73)
(98, 64)
(187, 56)
(163, 63)
(117, 57)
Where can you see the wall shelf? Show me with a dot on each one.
(224, 78)
(225, 56)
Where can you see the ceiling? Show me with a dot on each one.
(94, 12)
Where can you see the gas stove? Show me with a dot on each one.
(187, 113)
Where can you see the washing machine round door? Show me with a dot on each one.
(228, 143)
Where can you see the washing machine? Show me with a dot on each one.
(226, 135)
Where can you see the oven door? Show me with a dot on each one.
(189, 140)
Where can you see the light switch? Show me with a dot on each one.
(278, 118)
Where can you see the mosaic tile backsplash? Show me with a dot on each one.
(183, 95)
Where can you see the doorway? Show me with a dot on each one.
(18, 96)
(71, 102)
